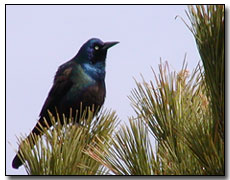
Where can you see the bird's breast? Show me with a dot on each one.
(94, 94)
(85, 89)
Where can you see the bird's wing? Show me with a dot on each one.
(62, 84)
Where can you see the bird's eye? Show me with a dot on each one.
(96, 48)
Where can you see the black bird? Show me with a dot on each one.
(78, 82)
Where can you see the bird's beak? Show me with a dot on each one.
(108, 45)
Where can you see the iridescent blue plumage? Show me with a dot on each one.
(78, 82)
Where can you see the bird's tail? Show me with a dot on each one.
(16, 162)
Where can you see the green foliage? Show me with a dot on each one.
(60, 151)
(208, 30)
(131, 151)
(164, 111)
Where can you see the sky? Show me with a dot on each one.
(39, 38)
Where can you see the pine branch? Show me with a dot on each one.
(60, 151)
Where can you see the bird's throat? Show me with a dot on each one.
(95, 71)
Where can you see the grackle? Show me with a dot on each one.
(78, 83)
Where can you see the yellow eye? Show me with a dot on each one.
(96, 48)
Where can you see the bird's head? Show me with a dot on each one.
(93, 51)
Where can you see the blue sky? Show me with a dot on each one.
(40, 38)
